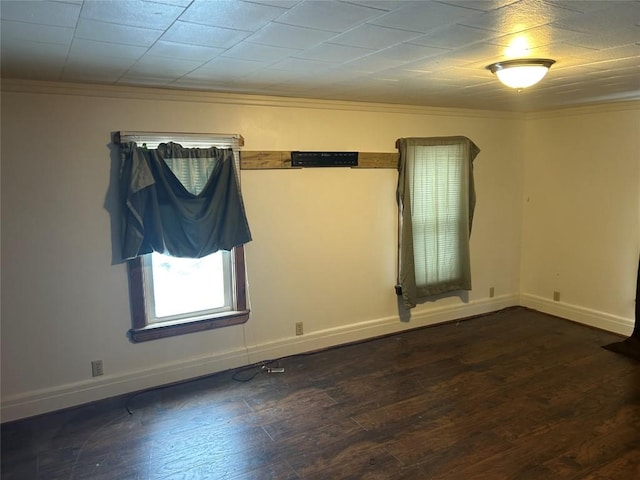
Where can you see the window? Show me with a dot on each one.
(436, 201)
(173, 295)
(158, 307)
(181, 287)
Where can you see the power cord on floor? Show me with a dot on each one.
(260, 367)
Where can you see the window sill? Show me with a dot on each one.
(170, 329)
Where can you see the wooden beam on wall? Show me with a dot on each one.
(264, 160)
(278, 159)
(378, 160)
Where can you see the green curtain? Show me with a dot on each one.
(436, 199)
(160, 214)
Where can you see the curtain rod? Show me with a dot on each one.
(117, 137)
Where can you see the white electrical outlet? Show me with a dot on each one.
(299, 328)
(96, 368)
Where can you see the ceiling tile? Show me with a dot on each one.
(225, 68)
(328, 15)
(339, 74)
(518, 16)
(197, 53)
(560, 73)
(148, 66)
(101, 64)
(605, 65)
(564, 54)
(232, 14)
(603, 38)
(44, 13)
(269, 76)
(481, 5)
(424, 16)
(90, 48)
(409, 52)
(289, 36)
(477, 55)
(31, 32)
(204, 35)
(532, 38)
(115, 33)
(453, 36)
(180, 3)
(605, 18)
(590, 5)
(258, 52)
(331, 52)
(393, 57)
(278, 3)
(131, 12)
(382, 5)
(605, 27)
(613, 53)
(299, 65)
(433, 64)
(374, 36)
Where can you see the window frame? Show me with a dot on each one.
(142, 331)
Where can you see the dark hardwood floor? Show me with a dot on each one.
(513, 395)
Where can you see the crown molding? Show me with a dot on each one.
(619, 106)
(196, 96)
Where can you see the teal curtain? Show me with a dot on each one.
(436, 199)
(160, 214)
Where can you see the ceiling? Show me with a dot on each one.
(431, 53)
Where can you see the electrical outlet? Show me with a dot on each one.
(299, 328)
(556, 296)
(96, 368)
(492, 292)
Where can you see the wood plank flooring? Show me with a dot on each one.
(512, 395)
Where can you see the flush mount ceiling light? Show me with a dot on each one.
(521, 73)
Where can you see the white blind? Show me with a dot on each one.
(188, 140)
(439, 204)
(193, 173)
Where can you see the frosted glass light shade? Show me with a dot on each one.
(521, 73)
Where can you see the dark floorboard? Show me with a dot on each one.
(512, 395)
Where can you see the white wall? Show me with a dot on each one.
(581, 214)
(324, 248)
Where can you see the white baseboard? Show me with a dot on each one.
(72, 394)
(375, 328)
(69, 395)
(586, 316)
